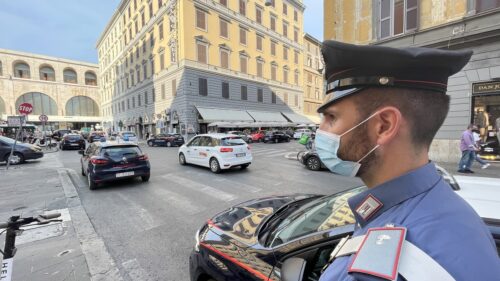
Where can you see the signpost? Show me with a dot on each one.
(24, 109)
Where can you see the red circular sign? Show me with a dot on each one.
(25, 108)
(43, 118)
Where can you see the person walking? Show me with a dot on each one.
(383, 110)
(468, 148)
(477, 144)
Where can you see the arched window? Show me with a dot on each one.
(42, 104)
(47, 73)
(2, 107)
(82, 106)
(70, 76)
(90, 78)
(22, 70)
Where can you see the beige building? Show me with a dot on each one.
(64, 90)
(313, 77)
(446, 24)
(188, 65)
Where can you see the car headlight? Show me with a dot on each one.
(197, 239)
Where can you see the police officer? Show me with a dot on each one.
(384, 108)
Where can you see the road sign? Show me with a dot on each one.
(16, 121)
(43, 118)
(25, 108)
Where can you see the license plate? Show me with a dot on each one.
(74, 144)
(126, 174)
(240, 154)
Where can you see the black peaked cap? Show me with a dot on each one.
(351, 68)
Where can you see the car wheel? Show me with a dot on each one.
(182, 159)
(150, 143)
(249, 140)
(244, 166)
(83, 172)
(92, 184)
(169, 144)
(313, 163)
(145, 178)
(17, 158)
(214, 166)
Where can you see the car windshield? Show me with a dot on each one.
(318, 215)
(74, 137)
(232, 141)
(116, 153)
(6, 140)
(128, 134)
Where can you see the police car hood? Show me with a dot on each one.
(239, 224)
(483, 194)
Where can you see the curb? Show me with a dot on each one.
(100, 263)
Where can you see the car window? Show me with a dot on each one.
(205, 141)
(130, 134)
(323, 214)
(90, 150)
(73, 137)
(194, 142)
(116, 153)
(232, 141)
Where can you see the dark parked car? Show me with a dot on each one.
(110, 161)
(58, 134)
(256, 239)
(95, 136)
(490, 150)
(72, 141)
(22, 152)
(276, 136)
(166, 140)
(311, 160)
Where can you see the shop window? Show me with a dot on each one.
(47, 73)
(485, 5)
(486, 115)
(22, 70)
(70, 76)
(244, 93)
(90, 78)
(202, 87)
(397, 17)
(225, 90)
(260, 95)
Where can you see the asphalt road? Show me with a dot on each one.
(149, 228)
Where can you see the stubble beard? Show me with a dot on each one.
(355, 146)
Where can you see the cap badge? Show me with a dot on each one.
(383, 80)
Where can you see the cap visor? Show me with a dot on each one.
(336, 96)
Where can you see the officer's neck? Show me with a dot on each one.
(393, 165)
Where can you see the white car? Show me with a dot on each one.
(128, 136)
(298, 133)
(216, 151)
(482, 193)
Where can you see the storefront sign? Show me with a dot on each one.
(15, 121)
(483, 88)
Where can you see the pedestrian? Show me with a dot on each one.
(468, 148)
(477, 143)
(384, 107)
(147, 136)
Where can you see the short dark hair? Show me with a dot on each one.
(424, 110)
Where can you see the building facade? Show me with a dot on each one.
(313, 77)
(446, 24)
(64, 90)
(187, 65)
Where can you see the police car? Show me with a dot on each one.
(216, 151)
(252, 240)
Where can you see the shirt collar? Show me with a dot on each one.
(370, 203)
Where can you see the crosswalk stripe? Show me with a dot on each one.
(275, 154)
(179, 201)
(210, 191)
(240, 185)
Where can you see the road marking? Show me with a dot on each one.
(135, 271)
(146, 221)
(275, 154)
(210, 191)
(180, 202)
(240, 185)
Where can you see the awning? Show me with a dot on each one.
(297, 118)
(315, 118)
(268, 117)
(232, 124)
(211, 115)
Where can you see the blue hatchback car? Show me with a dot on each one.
(107, 161)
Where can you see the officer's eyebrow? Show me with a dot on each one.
(330, 111)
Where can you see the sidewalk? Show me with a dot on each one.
(493, 171)
(67, 250)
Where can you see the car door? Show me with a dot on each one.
(4, 150)
(86, 157)
(192, 150)
(205, 151)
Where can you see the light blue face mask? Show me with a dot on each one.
(327, 145)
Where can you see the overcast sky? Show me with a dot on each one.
(70, 28)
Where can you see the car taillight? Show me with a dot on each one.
(98, 161)
(226, 149)
(143, 157)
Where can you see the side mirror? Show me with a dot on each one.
(293, 269)
(82, 152)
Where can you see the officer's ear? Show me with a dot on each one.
(387, 124)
